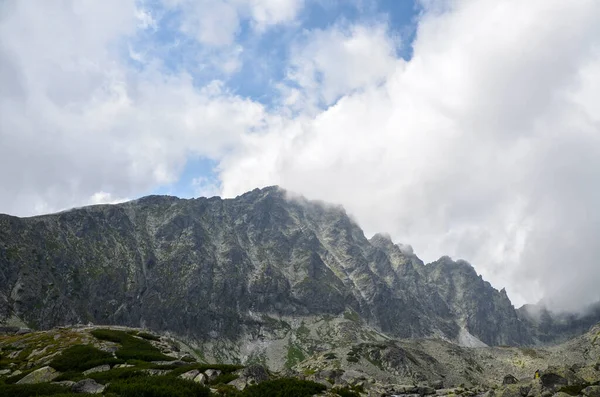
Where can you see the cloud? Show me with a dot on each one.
(483, 146)
(218, 22)
(77, 118)
(331, 63)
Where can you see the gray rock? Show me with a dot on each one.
(509, 380)
(4, 372)
(156, 372)
(212, 374)
(190, 375)
(124, 365)
(89, 386)
(239, 383)
(255, 372)
(202, 379)
(99, 368)
(591, 391)
(44, 374)
(425, 390)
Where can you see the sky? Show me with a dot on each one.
(468, 128)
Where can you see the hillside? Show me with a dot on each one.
(121, 361)
(244, 279)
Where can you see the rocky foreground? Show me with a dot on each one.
(121, 361)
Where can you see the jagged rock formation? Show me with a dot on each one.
(216, 270)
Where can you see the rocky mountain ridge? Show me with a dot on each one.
(244, 277)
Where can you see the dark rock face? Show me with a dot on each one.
(205, 267)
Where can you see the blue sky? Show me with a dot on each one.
(264, 56)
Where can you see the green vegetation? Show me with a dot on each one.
(157, 386)
(329, 356)
(294, 356)
(347, 391)
(223, 379)
(82, 357)
(284, 388)
(224, 368)
(302, 331)
(148, 336)
(40, 389)
(131, 347)
(352, 316)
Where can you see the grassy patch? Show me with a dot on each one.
(157, 386)
(82, 357)
(284, 388)
(148, 336)
(302, 331)
(294, 356)
(352, 316)
(131, 347)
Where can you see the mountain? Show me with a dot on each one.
(243, 278)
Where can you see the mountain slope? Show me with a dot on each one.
(215, 270)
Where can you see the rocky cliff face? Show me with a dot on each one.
(214, 269)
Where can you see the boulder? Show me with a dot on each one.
(201, 378)
(156, 372)
(99, 368)
(44, 374)
(554, 378)
(212, 374)
(89, 386)
(124, 365)
(515, 390)
(591, 391)
(4, 372)
(425, 390)
(239, 383)
(437, 384)
(255, 372)
(509, 380)
(190, 375)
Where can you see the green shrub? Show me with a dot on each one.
(82, 357)
(284, 388)
(330, 356)
(352, 359)
(224, 368)
(148, 336)
(131, 347)
(40, 389)
(157, 386)
(116, 373)
(223, 379)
